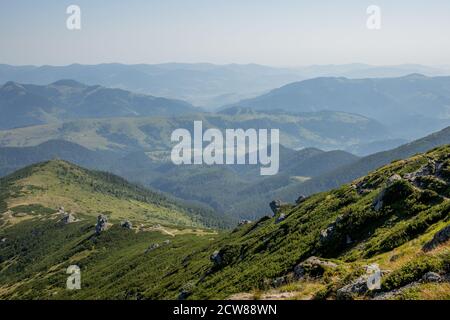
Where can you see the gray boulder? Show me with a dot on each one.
(280, 281)
(431, 277)
(357, 287)
(427, 170)
(281, 218)
(300, 199)
(327, 234)
(392, 179)
(216, 258)
(244, 222)
(440, 237)
(152, 247)
(68, 218)
(275, 206)
(378, 202)
(312, 267)
(102, 224)
(126, 224)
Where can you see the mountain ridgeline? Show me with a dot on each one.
(238, 191)
(25, 105)
(395, 102)
(396, 216)
(57, 183)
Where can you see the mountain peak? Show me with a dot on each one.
(11, 85)
(68, 83)
(415, 76)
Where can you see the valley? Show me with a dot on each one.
(392, 217)
(87, 179)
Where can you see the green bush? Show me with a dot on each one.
(410, 272)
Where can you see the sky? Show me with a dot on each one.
(270, 32)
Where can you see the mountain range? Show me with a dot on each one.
(238, 191)
(203, 84)
(363, 184)
(320, 248)
(26, 105)
(395, 102)
(324, 130)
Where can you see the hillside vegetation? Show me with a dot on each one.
(396, 216)
(323, 130)
(26, 105)
(54, 184)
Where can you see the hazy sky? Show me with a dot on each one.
(272, 32)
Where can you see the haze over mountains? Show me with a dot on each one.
(144, 228)
(325, 130)
(395, 102)
(129, 134)
(25, 105)
(206, 85)
(238, 191)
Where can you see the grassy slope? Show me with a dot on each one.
(116, 267)
(58, 183)
(322, 130)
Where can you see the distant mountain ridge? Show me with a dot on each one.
(202, 84)
(14, 158)
(324, 130)
(58, 183)
(393, 101)
(25, 105)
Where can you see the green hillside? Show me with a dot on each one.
(26, 105)
(390, 217)
(395, 102)
(323, 130)
(50, 185)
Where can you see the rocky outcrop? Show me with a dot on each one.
(360, 285)
(216, 258)
(378, 202)
(275, 206)
(280, 218)
(431, 277)
(429, 169)
(312, 267)
(186, 290)
(396, 292)
(300, 199)
(430, 173)
(126, 224)
(68, 218)
(102, 224)
(155, 246)
(327, 234)
(357, 287)
(244, 222)
(152, 247)
(440, 237)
